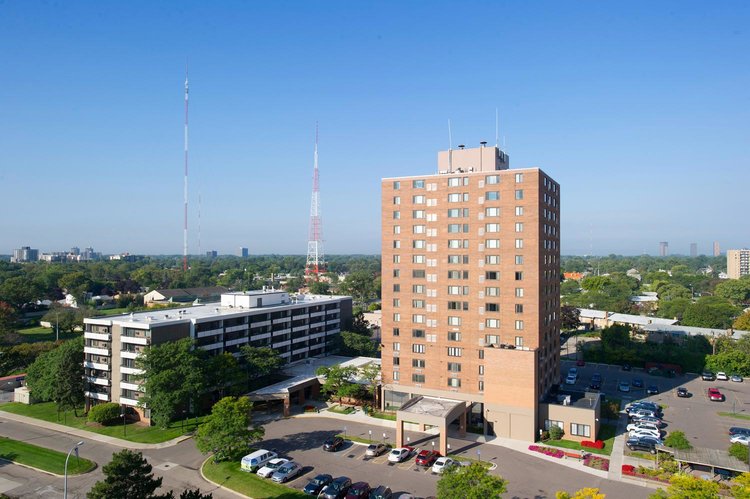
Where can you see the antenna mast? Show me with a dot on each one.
(185, 186)
(315, 264)
(200, 248)
(497, 128)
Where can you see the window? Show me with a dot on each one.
(458, 243)
(417, 303)
(491, 339)
(481, 386)
(458, 259)
(458, 181)
(492, 195)
(396, 244)
(396, 302)
(456, 197)
(417, 378)
(519, 177)
(454, 351)
(396, 347)
(454, 228)
(492, 179)
(454, 321)
(458, 305)
(492, 323)
(458, 290)
(396, 361)
(418, 363)
(491, 291)
(519, 341)
(454, 382)
(417, 348)
(519, 211)
(519, 276)
(492, 307)
(417, 259)
(396, 288)
(454, 336)
(396, 331)
(492, 243)
(492, 275)
(418, 184)
(418, 229)
(417, 214)
(396, 317)
(417, 288)
(519, 292)
(519, 308)
(417, 318)
(519, 226)
(396, 273)
(418, 244)
(454, 367)
(397, 229)
(492, 259)
(519, 259)
(417, 333)
(580, 430)
(492, 212)
(519, 194)
(396, 185)
(458, 274)
(492, 227)
(519, 325)
(519, 243)
(396, 375)
(420, 199)
(481, 354)
(396, 199)
(419, 274)
(396, 258)
(481, 370)
(396, 215)
(549, 423)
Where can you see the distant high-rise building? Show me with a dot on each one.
(75, 250)
(244, 252)
(738, 263)
(717, 248)
(212, 254)
(663, 248)
(25, 254)
(693, 249)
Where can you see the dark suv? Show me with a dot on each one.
(337, 489)
(333, 444)
(643, 443)
(708, 376)
(736, 430)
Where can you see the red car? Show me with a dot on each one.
(580, 363)
(715, 395)
(427, 457)
(360, 490)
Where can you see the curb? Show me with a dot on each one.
(28, 466)
(238, 494)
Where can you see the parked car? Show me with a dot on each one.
(626, 367)
(374, 450)
(381, 492)
(708, 376)
(286, 472)
(715, 395)
(643, 443)
(649, 420)
(255, 460)
(333, 444)
(683, 392)
(271, 466)
(573, 370)
(637, 383)
(359, 490)
(738, 430)
(643, 404)
(644, 433)
(736, 378)
(571, 379)
(316, 484)
(337, 489)
(646, 426)
(740, 439)
(722, 376)
(400, 454)
(623, 386)
(596, 378)
(427, 457)
(652, 390)
(595, 386)
(443, 463)
(580, 363)
(642, 413)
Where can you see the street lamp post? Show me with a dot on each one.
(65, 490)
(369, 432)
(384, 438)
(124, 430)
(344, 432)
(479, 455)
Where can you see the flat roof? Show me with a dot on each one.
(709, 457)
(178, 315)
(431, 406)
(488, 172)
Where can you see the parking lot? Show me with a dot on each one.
(697, 416)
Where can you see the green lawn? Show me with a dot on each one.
(735, 415)
(383, 415)
(341, 409)
(38, 333)
(606, 433)
(134, 432)
(41, 458)
(228, 474)
(110, 311)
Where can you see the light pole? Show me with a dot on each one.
(124, 430)
(479, 455)
(344, 432)
(65, 490)
(369, 432)
(383, 438)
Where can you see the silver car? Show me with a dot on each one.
(374, 450)
(286, 472)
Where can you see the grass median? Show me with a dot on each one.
(229, 475)
(134, 432)
(42, 458)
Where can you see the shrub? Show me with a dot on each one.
(104, 413)
(628, 469)
(598, 463)
(548, 451)
(677, 440)
(739, 451)
(556, 433)
(599, 444)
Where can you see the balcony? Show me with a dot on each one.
(282, 344)
(96, 365)
(97, 381)
(210, 332)
(238, 341)
(134, 340)
(97, 395)
(97, 336)
(130, 370)
(96, 351)
(333, 331)
(129, 355)
(130, 386)
(212, 346)
(263, 336)
(130, 402)
(231, 329)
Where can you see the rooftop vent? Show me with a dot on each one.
(461, 146)
(483, 143)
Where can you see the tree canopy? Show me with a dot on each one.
(129, 475)
(470, 482)
(227, 432)
(57, 375)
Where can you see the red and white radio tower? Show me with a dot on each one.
(315, 261)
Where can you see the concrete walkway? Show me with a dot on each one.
(618, 447)
(90, 435)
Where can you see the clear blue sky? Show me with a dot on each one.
(641, 110)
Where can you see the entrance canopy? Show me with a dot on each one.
(434, 412)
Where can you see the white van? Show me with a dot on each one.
(256, 460)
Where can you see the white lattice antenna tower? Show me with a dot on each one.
(315, 264)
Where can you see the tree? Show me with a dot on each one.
(741, 323)
(735, 290)
(338, 380)
(739, 451)
(224, 374)
(672, 291)
(741, 489)
(710, 311)
(360, 286)
(7, 320)
(673, 309)
(677, 440)
(355, 345)
(57, 375)
(129, 475)
(227, 431)
(293, 284)
(66, 318)
(615, 336)
(570, 287)
(319, 288)
(585, 493)
(172, 376)
(371, 373)
(470, 482)
(729, 360)
(195, 494)
(569, 317)
(260, 361)
(18, 291)
(684, 486)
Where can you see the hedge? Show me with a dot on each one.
(104, 413)
(599, 444)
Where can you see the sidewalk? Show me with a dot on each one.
(616, 461)
(90, 435)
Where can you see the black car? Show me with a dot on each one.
(737, 430)
(643, 443)
(683, 392)
(708, 376)
(333, 444)
(595, 386)
(316, 484)
(381, 492)
(637, 382)
(626, 367)
(652, 390)
(337, 489)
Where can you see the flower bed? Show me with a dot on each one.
(639, 472)
(596, 462)
(599, 444)
(547, 451)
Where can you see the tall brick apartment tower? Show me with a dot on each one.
(471, 286)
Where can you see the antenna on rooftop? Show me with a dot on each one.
(185, 187)
(315, 264)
